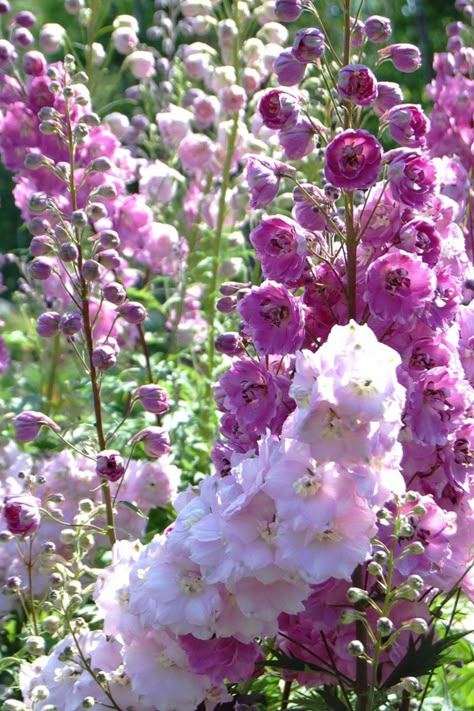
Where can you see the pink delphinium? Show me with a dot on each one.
(282, 247)
(353, 160)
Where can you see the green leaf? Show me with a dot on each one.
(133, 507)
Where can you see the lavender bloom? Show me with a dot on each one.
(280, 245)
(288, 69)
(153, 398)
(28, 424)
(378, 28)
(405, 57)
(263, 178)
(156, 441)
(413, 178)
(408, 125)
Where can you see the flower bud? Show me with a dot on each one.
(378, 28)
(47, 325)
(356, 595)
(153, 398)
(96, 211)
(404, 57)
(22, 37)
(109, 258)
(104, 357)
(155, 441)
(40, 268)
(308, 45)
(385, 626)
(70, 323)
(230, 344)
(39, 202)
(90, 270)
(416, 582)
(114, 293)
(132, 312)
(34, 161)
(35, 645)
(417, 625)
(24, 18)
(22, 514)
(109, 239)
(288, 69)
(226, 304)
(28, 424)
(110, 465)
(375, 569)
(288, 10)
(51, 37)
(4, 7)
(356, 648)
(68, 252)
(13, 705)
(358, 84)
(141, 63)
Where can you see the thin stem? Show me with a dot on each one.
(51, 377)
(146, 352)
(285, 697)
(351, 255)
(29, 566)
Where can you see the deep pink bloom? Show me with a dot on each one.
(221, 658)
(310, 205)
(110, 465)
(22, 514)
(353, 160)
(28, 424)
(288, 69)
(281, 246)
(399, 285)
(274, 319)
(389, 94)
(278, 108)
(357, 83)
(405, 57)
(412, 178)
(250, 393)
(408, 124)
(422, 238)
(308, 45)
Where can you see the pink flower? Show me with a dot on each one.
(413, 178)
(408, 124)
(353, 160)
(110, 465)
(288, 69)
(378, 28)
(357, 83)
(297, 140)
(278, 108)
(281, 246)
(141, 64)
(273, 318)
(288, 10)
(22, 514)
(153, 398)
(250, 393)
(221, 658)
(196, 153)
(389, 94)
(156, 441)
(398, 286)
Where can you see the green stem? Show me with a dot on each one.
(29, 565)
(48, 399)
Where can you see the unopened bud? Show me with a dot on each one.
(356, 648)
(35, 645)
(385, 626)
(355, 595)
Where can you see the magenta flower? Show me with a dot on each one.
(263, 178)
(297, 140)
(250, 393)
(310, 207)
(288, 10)
(28, 424)
(278, 108)
(22, 514)
(110, 465)
(280, 245)
(357, 83)
(422, 238)
(398, 285)
(405, 57)
(408, 125)
(389, 94)
(353, 160)
(436, 405)
(221, 658)
(274, 319)
(308, 45)
(413, 178)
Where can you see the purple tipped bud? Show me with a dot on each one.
(278, 108)
(288, 10)
(48, 324)
(308, 45)
(22, 37)
(34, 63)
(405, 57)
(38, 226)
(70, 323)
(378, 28)
(115, 293)
(104, 357)
(68, 252)
(288, 69)
(109, 239)
(34, 161)
(24, 18)
(110, 465)
(109, 258)
(90, 270)
(153, 398)
(132, 312)
(230, 344)
(28, 424)
(227, 304)
(41, 245)
(96, 211)
(39, 202)
(41, 268)
(156, 441)
(100, 165)
(357, 33)
(22, 514)
(230, 288)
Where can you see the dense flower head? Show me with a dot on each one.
(357, 83)
(353, 160)
(273, 319)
